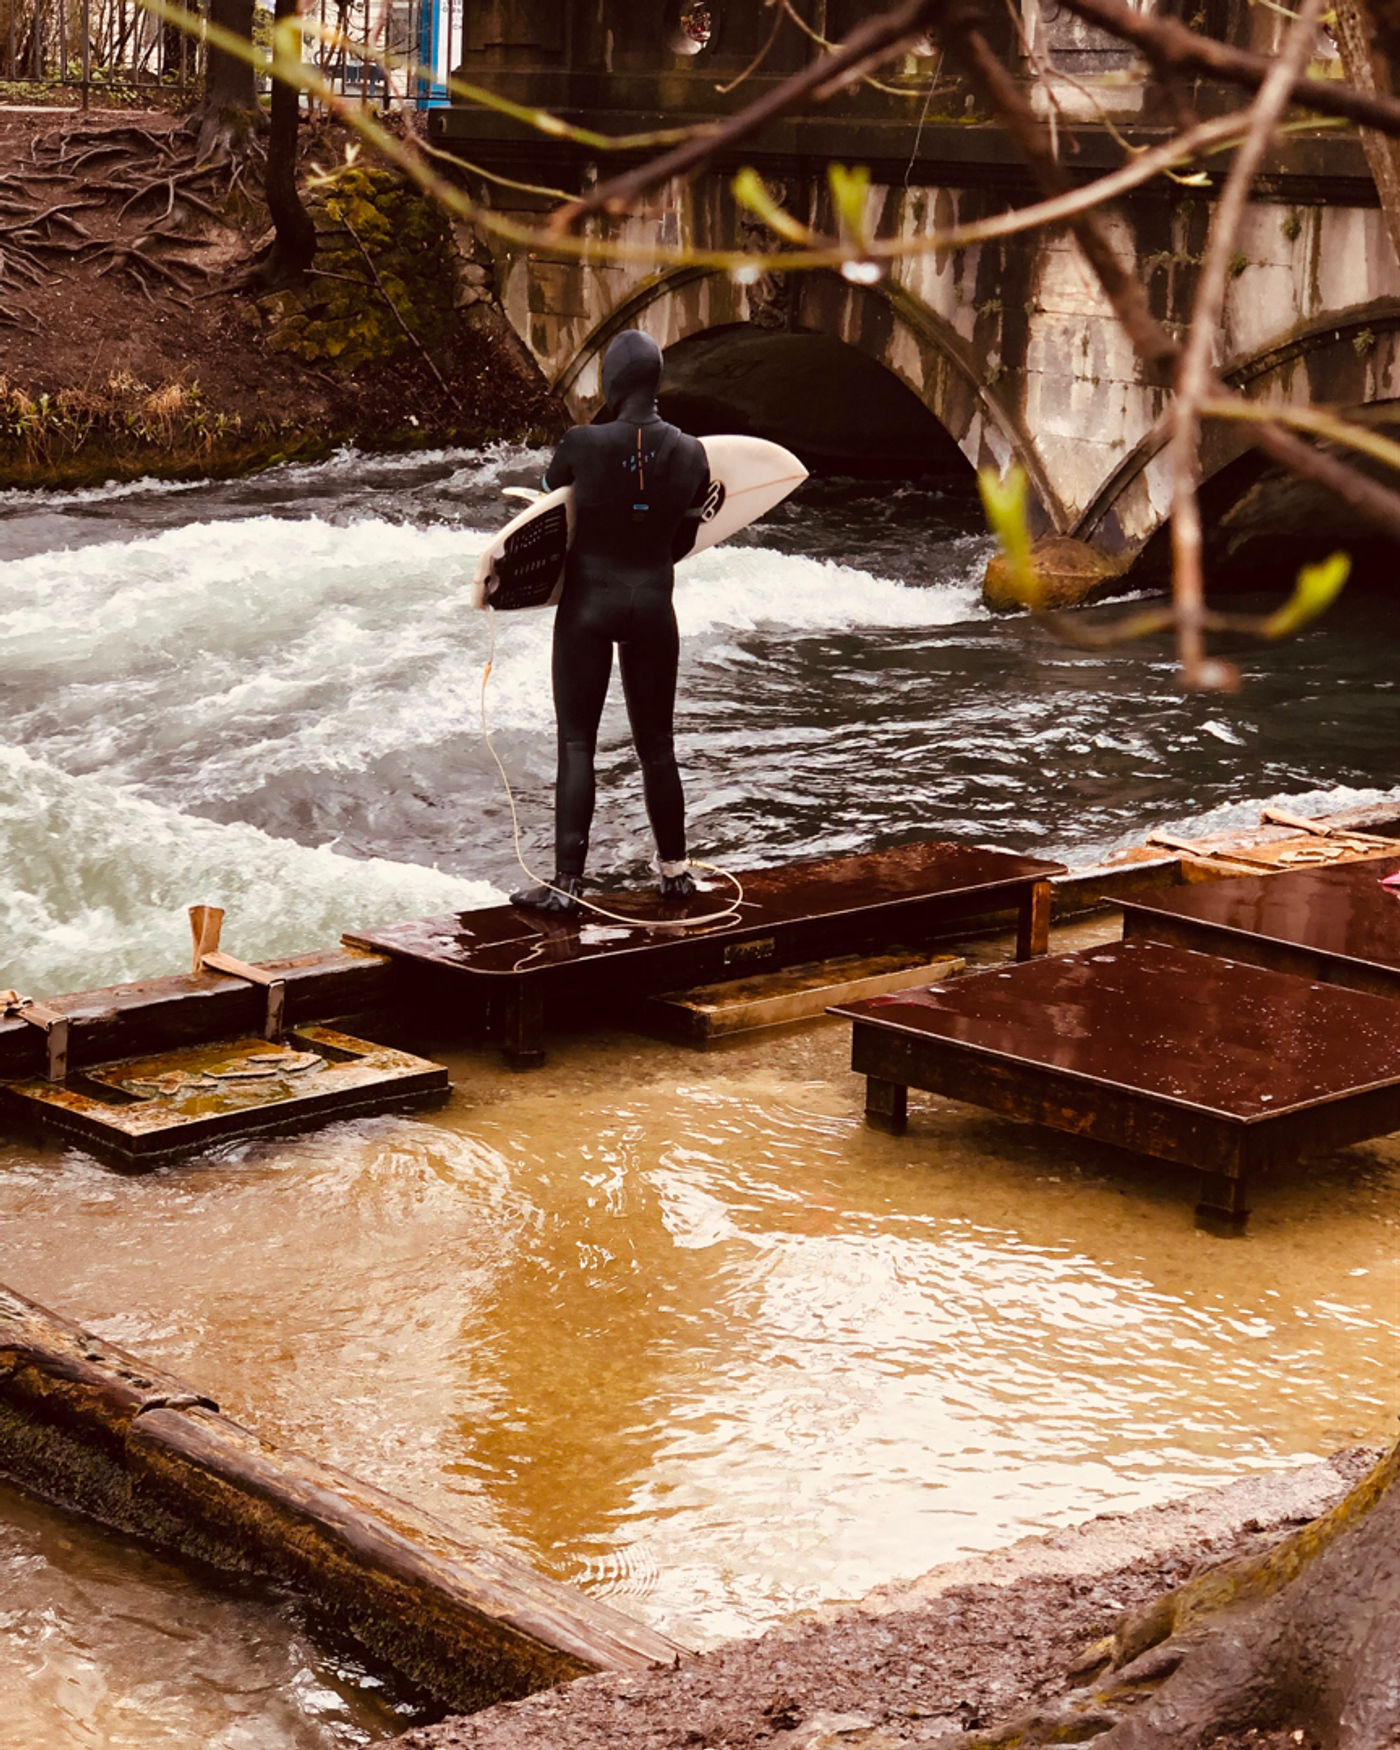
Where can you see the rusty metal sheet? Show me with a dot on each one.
(1342, 915)
(846, 898)
(1186, 1029)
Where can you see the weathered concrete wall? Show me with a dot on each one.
(1011, 346)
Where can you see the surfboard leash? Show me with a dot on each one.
(633, 923)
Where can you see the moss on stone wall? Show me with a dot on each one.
(385, 264)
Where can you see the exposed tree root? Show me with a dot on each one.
(1306, 1636)
(168, 185)
(123, 169)
(51, 215)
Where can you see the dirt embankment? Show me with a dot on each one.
(970, 1644)
(134, 339)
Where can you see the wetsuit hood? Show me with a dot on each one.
(632, 374)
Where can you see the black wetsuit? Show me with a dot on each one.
(639, 485)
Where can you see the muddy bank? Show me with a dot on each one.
(967, 1644)
(135, 339)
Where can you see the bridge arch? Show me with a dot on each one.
(884, 324)
(1349, 360)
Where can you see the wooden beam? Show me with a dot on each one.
(1033, 923)
(162, 1014)
(88, 1425)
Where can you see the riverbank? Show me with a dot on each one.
(138, 345)
(972, 1642)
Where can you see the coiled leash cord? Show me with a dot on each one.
(633, 923)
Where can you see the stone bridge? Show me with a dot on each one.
(1002, 352)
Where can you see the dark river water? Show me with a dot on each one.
(295, 653)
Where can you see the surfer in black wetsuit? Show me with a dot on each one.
(639, 489)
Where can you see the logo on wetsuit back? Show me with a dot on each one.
(714, 498)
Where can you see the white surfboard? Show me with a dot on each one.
(524, 565)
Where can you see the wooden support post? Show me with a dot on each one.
(1033, 923)
(522, 1024)
(206, 924)
(886, 1105)
(1221, 1209)
(50, 1023)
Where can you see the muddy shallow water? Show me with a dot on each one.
(676, 1327)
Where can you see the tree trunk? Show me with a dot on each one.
(1368, 59)
(295, 245)
(230, 96)
(1305, 1637)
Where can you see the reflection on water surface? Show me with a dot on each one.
(680, 1329)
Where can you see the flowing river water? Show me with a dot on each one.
(675, 1328)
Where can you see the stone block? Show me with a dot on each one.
(1070, 573)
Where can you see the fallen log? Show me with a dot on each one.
(89, 1426)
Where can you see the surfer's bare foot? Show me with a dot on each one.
(558, 896)
(681, 886)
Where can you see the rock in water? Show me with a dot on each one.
(1070, 572)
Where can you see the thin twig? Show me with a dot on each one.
(868, 44)
(1172, 47)
(554, 194)
(384, 293)
(1195, 373)
(758, 59)
(825, 44)
(1127, 294)
(1317, 421)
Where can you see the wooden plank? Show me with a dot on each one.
(1033, 923)
(789, 916)
(88, 1425)
(162, 1014)
(741, 1005)
(147, 1110)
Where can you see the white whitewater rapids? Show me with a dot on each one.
(188, 711)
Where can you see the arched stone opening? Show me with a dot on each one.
(834, 406)
(1261, 524)
(903, 340)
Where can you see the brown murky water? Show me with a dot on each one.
(679, 1329)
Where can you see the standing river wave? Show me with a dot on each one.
(677, 1329)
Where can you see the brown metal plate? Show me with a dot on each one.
(1343, 912)
(1186, 1029)
(846, 896)
(149, 1108)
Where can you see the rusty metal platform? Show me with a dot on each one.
(1336, 925)
(1228, 1068)
(503, 969)
(144, 1110)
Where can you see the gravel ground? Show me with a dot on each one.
(971, 1642)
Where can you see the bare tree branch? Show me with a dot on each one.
(868, 44)
(1172, 48)
(1317, 421)
(1195, 371)
(962, 32)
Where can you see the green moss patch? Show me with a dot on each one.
(384, 276)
